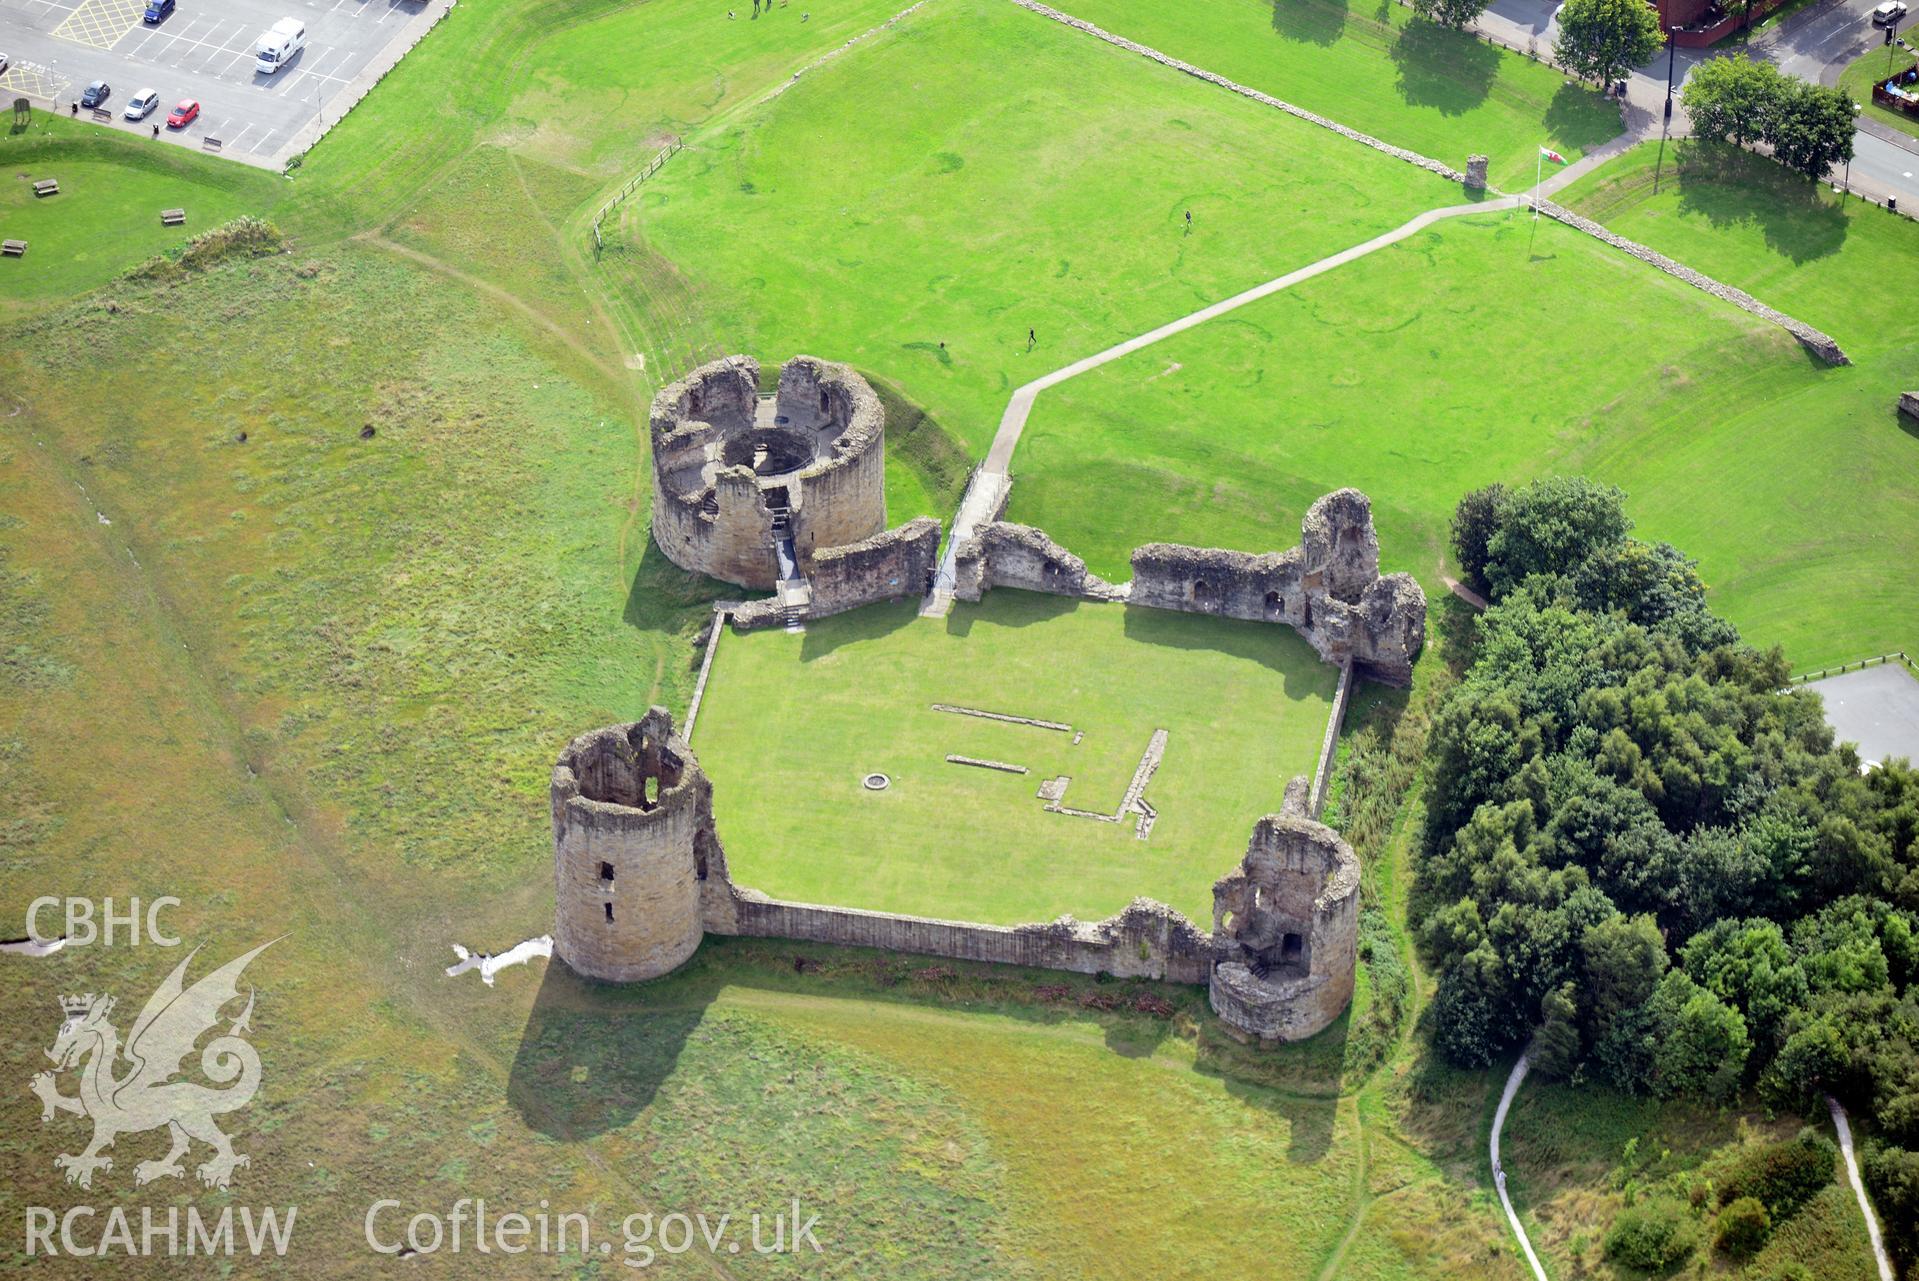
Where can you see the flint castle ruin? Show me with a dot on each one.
(784, 492)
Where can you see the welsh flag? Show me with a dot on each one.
(1547, 153)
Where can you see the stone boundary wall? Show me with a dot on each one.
(1003, 554)
(1145, 940)
(714, 629)
(888, 565)
(1819, 344)
(1328, 744)
(1398, 153)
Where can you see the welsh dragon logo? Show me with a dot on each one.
(145, 1094)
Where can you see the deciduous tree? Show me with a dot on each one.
(1604, 39)
(1451, 13)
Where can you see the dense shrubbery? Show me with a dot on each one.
(244, 237)
(1655, 1236)
(1642, 849)
(1781, 1176)
(1743, 1228)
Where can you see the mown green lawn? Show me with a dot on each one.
(1490, 350)
(982, 172)
(1382, 70)
(106, 217)
(791, 723)
(1820, 483)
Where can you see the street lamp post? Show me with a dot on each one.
(1672, 52)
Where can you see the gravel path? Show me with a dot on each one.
(986, 494)
(1499, 1175)
(1840, 1124)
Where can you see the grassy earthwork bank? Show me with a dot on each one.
(798, 720)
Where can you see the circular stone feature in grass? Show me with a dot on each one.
(876, 782)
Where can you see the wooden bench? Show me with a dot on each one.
(47, 187)
(173, 217)
(211, 144)
(13, 248)
(102, 115)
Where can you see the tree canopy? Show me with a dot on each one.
(1604, 39)
(1450, 13)
(1642, 848)
(1809, 127)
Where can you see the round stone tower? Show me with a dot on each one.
(747, 486)
(633, 850)
(1286, 931)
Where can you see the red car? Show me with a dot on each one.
(184, 114)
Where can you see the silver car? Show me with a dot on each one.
(142, 104)
(1890, 12)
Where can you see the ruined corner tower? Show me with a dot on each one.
(1286, 931)
(637, 865)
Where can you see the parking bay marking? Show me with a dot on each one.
(34, 80)
(99, 24)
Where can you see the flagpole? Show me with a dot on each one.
(1539, 170)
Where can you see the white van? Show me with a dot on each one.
(288, 37)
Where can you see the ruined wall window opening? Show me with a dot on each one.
(699, 865)
(1290, 949)
(606, 872)
(1202, 590)
(823, 403)
(1275, 603)
(649, 792)
(609, 912)
(1050, 568)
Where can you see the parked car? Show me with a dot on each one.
(3, 63)
(157, 10)
(96, 94)
(1888, 13)
(142, 104)
(184, 114)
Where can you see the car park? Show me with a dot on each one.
(183, 114)
(1889, 13)
(96, 94)
(142, 104)
(207, 51)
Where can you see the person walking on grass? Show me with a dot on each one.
(1031, 338)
